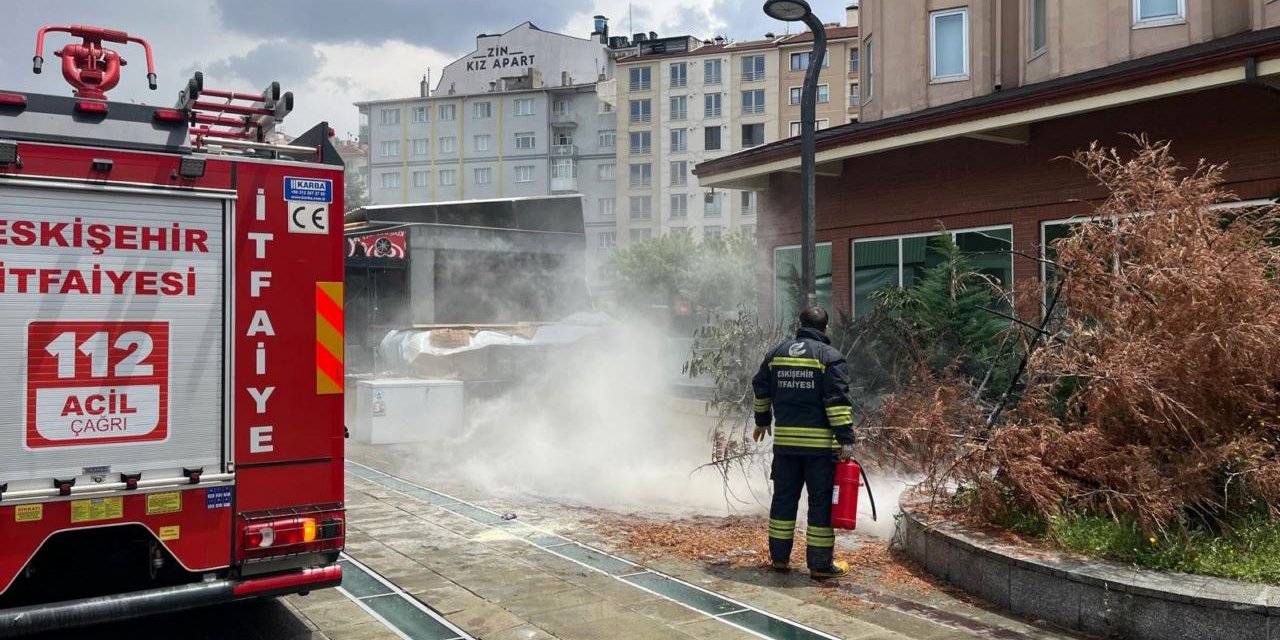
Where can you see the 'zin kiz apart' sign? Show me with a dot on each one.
(499, 58)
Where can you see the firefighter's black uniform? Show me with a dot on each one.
(803, 386)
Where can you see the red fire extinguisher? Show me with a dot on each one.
(844, 495)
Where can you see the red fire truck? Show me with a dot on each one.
(171, 343)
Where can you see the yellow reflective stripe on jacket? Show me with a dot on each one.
(808, 437)
(762, 404)
(840, 416)
(811, 363)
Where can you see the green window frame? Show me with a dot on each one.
(901, 261)
(786, 270)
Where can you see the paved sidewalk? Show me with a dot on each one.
(496, 585)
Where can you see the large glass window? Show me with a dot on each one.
(711, 72)
(712, 105)
(786, 281)
(641, 142)
(949, 42)
(679, 107)
(752, 68)
(641, 110)
(679, 74)
(641, 78)
(753, 101)
(711, 139)
(902, 261)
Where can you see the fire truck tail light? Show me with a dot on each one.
(13, 100)
(86, 106)
(170, 115)
(270, 535)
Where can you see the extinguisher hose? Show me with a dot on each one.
(870, 498)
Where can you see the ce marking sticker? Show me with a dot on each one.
(308, 217)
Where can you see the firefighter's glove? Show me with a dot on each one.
(761, 432)
(846, 452)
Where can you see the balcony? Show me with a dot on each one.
(641, 149)
(642, 117)
(563, 118)
(642, 85)
(564, 183)
(752, 109)
(752, 76)
(564, 150)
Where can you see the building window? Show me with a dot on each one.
(753, 101)
(420, 146)
(817, 124)
(481, 110)
(1038, 29)
(679, 140)
(711, 139)
(871, 69)
(447, 112)
(564, 168)
(640, 235)
(390, 116)
(524, 173)
(641, 110)
(419, 114)
(679, 74)
(800, 60)
(641, 78)
(854, 59)
(711, 232)
(855, 96)
(641, 175)
(711, 72)
(390, 180)
(679, 107)
(949, 44)
(679, 206)
(420, 178)
(562, 108)
(641, 142)
(748, 203)
(796, 94)
(752, 135)
(824, 93)
(752, 68)
(526, 140)
(608, 207)
(1147, 12)
(390, 148)
(713, 105)
(605, 172)
(448, 177)
(679, 173)
(448, 144)
(902, 261)
(608, 240)
(482, 142)
(713, 205)
(607, 138)
(641, 207)
(484, 175)
(786, 279)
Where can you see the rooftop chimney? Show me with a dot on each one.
(424, 87)
(851, 14)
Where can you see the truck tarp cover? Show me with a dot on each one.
(113, 357)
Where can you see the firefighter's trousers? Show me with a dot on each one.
(816, 474)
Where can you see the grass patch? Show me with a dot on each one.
(1248, 550)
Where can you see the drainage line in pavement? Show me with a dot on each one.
(742, 616)
(390, 605)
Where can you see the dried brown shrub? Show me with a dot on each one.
(1160, 394)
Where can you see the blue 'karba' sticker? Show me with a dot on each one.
(217, 497)
(308, 190)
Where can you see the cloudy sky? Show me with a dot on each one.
(331, 53)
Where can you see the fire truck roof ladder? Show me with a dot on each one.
(235, 120)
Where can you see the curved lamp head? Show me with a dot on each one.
(787, 10)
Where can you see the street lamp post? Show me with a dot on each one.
(799, 11)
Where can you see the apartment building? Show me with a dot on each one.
(968, 107)
(528, 113)
(683, 102)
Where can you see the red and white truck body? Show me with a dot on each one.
(171, 357)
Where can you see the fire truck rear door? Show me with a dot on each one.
(114, 357)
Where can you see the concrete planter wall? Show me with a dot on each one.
(1098, 598)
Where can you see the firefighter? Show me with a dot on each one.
(803, 386)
